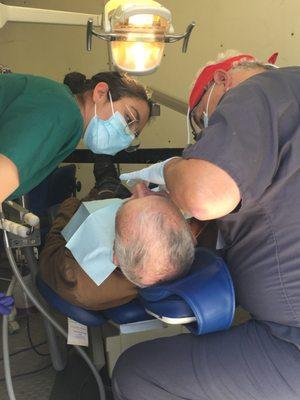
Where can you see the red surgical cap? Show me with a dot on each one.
(207, 74)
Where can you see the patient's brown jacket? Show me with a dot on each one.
(64, 275)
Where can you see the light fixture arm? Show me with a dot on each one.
(44, 16)
(185, 36)
(90, 33)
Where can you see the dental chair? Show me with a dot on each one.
(203, 301)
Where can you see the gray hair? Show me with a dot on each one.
(245, 65)
(238, 65)
(156, 242)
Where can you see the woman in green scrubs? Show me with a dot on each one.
(42, 121)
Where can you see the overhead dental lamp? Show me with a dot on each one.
(137, 30)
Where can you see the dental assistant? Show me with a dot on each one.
(42, 121)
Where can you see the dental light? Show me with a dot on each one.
(137, 30)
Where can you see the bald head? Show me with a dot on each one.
(153, 241)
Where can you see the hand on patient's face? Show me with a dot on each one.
(141, 190)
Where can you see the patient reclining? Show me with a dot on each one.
(152, 243)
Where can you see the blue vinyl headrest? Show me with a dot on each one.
(206, 292)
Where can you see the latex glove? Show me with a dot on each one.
(153, 174)
(6, 304)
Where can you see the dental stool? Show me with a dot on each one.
(204, 300)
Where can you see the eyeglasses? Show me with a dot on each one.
(133, 126)
(132, 122)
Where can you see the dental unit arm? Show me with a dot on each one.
(22, 226)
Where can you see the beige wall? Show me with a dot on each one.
(260, 27)
(257, 26)
(51, 50)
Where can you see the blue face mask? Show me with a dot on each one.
(108, 136)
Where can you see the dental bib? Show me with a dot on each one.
(90, 236)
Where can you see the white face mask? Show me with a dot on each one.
(205, 113)
(204, 119)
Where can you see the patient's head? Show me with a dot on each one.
(153, 241)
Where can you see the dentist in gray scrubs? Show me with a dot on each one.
(243, 171)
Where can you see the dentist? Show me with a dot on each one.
(244, 171)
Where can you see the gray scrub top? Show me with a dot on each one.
(254, 135)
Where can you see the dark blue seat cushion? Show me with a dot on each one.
(85, 317)
(127, 313)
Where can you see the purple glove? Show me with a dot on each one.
(6, 304)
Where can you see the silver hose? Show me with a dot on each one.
(6, 361)
(49, 317)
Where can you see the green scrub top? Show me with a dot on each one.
(40, 125)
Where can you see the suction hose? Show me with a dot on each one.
(50, 319)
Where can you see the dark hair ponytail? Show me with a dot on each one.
(76, 82)
(120, 85)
